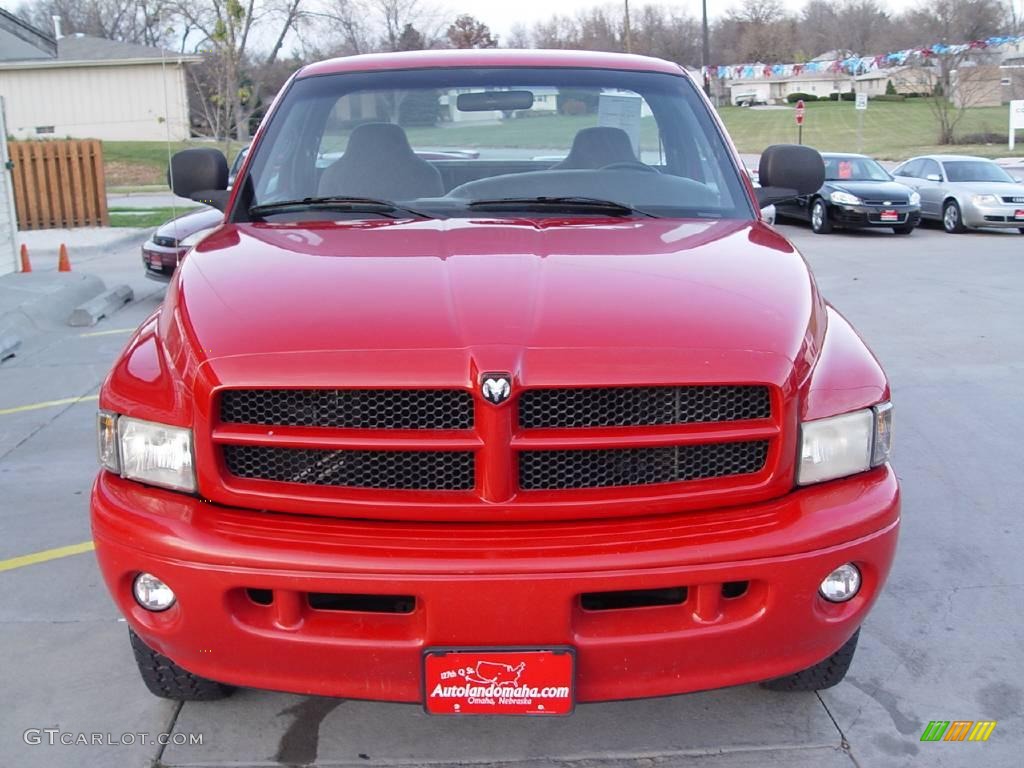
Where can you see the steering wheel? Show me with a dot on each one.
(630, 165)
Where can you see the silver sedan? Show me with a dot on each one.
(964, 192)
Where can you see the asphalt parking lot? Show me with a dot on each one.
(945, 314)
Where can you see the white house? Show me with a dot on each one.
(87, 87)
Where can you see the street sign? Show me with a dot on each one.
(800, 112)
(1016, 119)
(862, 101)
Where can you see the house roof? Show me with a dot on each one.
(85, 48)
(85, 51)
(20, 40)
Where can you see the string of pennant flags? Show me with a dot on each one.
(856, 65)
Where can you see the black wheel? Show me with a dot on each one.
(904, 229)
(167, 680)
(1021, 230)
(824, 674)
(820, 222)
(952, 219)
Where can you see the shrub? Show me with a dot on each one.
(419, 108)
(834, 96)
(793, 98)
(848, 96)
(889, 97)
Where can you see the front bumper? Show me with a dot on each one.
(497, 585)
(1000, 216)
(865, 216)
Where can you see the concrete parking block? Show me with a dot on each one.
(104, 305)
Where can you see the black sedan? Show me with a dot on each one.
(858, 193)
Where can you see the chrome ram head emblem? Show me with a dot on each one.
(496, 387)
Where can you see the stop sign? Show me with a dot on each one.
(800, 112)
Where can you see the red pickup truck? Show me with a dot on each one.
(560, 422)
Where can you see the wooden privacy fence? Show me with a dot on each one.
(59, 184)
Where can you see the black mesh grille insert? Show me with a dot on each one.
(641, 406)
(557, 470)
(395, 470)
(350, 408)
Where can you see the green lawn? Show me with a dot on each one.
(892, 130)
(137, 217)
(144, 163)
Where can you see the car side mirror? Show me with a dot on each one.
(787, 171)
(200, 175)
(933, 177)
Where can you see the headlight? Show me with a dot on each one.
(844, 198)
(148, 452)
(985, 200)
(844, 445)
(915, 198)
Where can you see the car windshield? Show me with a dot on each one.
(975, 170)
(457, 142)
(854, 169)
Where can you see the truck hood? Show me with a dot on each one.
(436, 302)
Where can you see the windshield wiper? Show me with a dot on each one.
(570, 202)
(337, 203)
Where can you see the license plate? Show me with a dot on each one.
(499, 682)
(1018, 214)
(890, 216)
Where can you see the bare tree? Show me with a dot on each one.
(146, 22)
(228, 29)
(518, 37)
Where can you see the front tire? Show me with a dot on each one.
(904, 229)
(167, 680)
(952, 218)
(820, 223)
(824, 674)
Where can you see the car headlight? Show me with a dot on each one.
(844, 445)
(984, 199)
(915, 198)
(152, 453)
(844, 198)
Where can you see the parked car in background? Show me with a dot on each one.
(964, 192)
(858, 193)
(166, 247)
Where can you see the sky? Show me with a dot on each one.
(502, 15)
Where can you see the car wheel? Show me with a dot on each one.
(906, 229)
(1021, 230)
(167, 680)
(819, 218)
(824, 674)
(952, 219)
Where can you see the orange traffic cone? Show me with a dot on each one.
(63, 264)
(26, 265)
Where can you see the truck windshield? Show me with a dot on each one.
(500, 142)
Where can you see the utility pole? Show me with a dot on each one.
(705, 53)
(629, 32)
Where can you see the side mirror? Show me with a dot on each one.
(200, 175)
(933, 177)
(787, 171)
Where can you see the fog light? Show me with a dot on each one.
(842, 584)
(151, 593)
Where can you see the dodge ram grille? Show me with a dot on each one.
(560, 470)
(350, 408)
(420, 470)
(641, 406)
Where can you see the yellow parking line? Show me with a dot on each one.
(48, 404)
(105, 333)
(46, 554)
